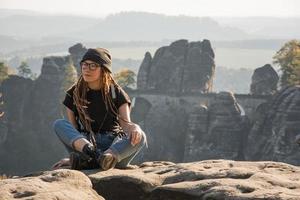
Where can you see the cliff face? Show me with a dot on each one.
(216, 131)
(276, 127)
(30, 108)
(180, 129)
(180, 67)
(165, 126)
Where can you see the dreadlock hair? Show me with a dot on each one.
(80, 98)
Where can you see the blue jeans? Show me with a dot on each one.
(119, 145)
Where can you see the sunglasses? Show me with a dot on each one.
(91, 66)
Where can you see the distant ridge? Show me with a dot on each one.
(124, 26)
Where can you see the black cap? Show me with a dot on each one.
(100, 56)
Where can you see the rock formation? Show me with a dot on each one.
(13, 99)
(226, 127)
(3, 122)
(180, 67)
(144, 70)
(216, 131)
(210, 179)
(76, 52)
(276, 127)
(165, 126)
(30, 108)
(179, 130)
(197, 133)
(172, 86)
(264, 81)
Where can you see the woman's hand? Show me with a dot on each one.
(62, 163)
(135, 133)
(133, 130)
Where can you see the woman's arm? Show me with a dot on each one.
(71, 117)
(134, 131)
(124, 113)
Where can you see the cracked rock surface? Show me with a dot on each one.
(210, 179)
(161, 180)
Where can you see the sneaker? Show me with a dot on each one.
(107, 161)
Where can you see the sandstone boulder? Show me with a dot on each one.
(180, 67)
(60, 184)
(264, 80)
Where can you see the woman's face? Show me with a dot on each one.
(90, 71)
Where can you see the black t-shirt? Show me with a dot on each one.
(96, 109)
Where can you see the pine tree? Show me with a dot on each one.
(25, 71)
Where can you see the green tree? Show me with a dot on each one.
(125, 77)
(288, 58)
(25, 71)
(3, 72)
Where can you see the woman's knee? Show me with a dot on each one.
(143, 140)
(59, 124)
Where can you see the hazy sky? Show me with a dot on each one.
(282, 8)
